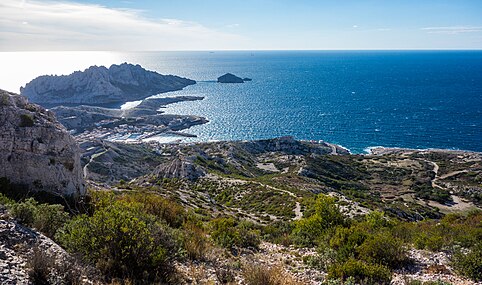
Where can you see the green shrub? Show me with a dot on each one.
(24, 212)
(377, 220)
(228, 233)
(173, 214)
(346, 240)
(4, 100)
(470, 263)
(223, 232)
(278, 232)
(4, 200)
(26, 120)
(364, 273)
(326, 215)
(325, 258)
(44, 217)
(384, 249)
(49, 218)
(250, 237)
(123, 242)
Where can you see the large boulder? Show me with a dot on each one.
(36, 151)
(99, 85)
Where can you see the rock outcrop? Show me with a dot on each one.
(24, 250)
(230, 78)
(100, 85)
(180, 168)
(36, 152)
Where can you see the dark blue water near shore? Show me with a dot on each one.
(412, 99)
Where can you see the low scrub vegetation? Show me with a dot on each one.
(45, 218)
(369, 249)
(138, 235)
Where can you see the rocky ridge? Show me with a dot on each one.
(100, 85)
(36, 151)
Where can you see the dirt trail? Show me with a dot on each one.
(453, 173)
(441, 177)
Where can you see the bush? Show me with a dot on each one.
(364, 273)
(346, 240)
(470, 263)
(326, 215)
(228, 233)
(384, 249)
(195, 242)
(123, 242)
(173, 214)
(4, 200)
(44, 217)
(325, 258)
(26, 120)
(278, 232)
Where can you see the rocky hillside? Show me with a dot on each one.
(100, 85)
(271, 179)
(36, 152)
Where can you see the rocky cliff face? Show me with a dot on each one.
(99, 85)
(36, 152)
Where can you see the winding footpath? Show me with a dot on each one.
(441, 177)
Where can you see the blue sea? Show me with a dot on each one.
(358, 99)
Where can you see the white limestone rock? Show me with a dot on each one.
(36, 151)
(99, 85)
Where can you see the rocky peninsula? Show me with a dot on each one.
(79, 102)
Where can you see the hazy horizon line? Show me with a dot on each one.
(254, 50)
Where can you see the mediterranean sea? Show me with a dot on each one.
(358, 99)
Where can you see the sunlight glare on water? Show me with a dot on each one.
(22, 67)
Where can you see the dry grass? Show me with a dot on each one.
(264, 275)
(43, 268)
(40, 266)
(196, 244)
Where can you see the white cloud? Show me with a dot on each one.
(54, 25)
(232, 26)
(355, 26)
(452, 30)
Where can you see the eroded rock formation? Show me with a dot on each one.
(36, 152)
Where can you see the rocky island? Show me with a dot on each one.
(99, 85)
(231, 78)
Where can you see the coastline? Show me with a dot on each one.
(381, 150)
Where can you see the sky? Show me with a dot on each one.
(157, 25)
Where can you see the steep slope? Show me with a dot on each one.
(36, 152)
